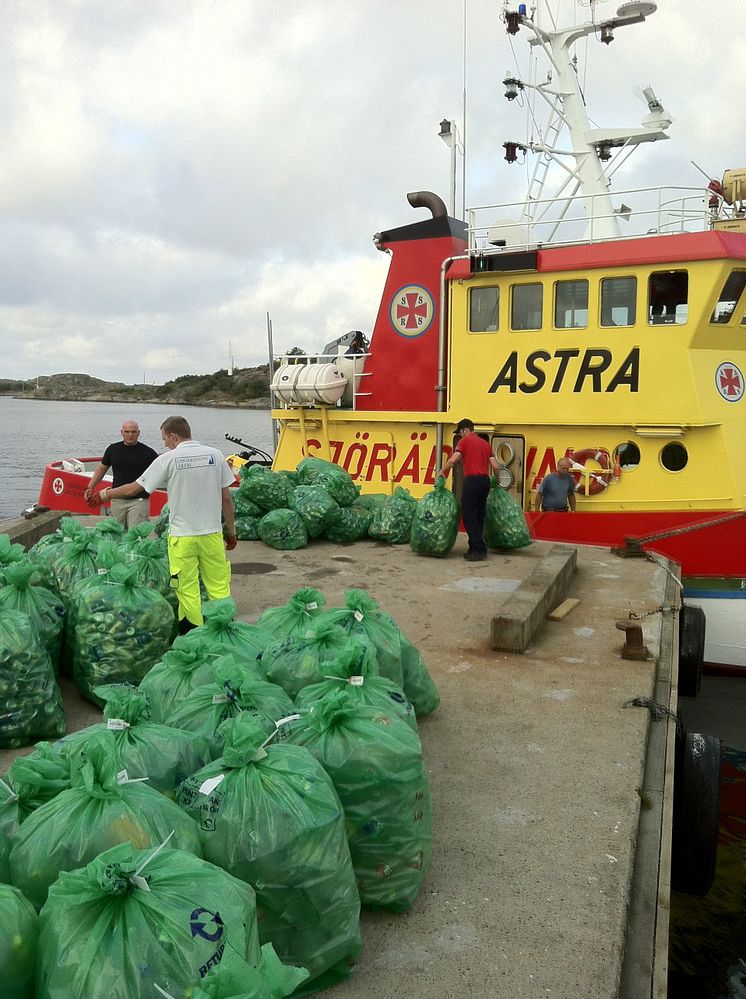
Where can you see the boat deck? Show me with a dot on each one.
(537, 770)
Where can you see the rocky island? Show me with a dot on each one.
(246, 388)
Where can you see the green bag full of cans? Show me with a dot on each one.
(163, 754)
(355, 673)
(31, 702)
(179, 671)
(19, 928)
(135, 924)
(122, 630)
(315, 507)
(43, 606)
(294, 662)
(296, 858)
(392, 520)
(375, 761)
(505, 523)
(105, 806)
(435, 525)
(333, 478)
(236, 689)
(349, 523)
(283, 529)
(264, 488)
(222, 633)
(294, 617)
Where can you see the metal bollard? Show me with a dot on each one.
(633, 647)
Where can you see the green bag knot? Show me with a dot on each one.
(115, 879)
(125, 701)
(243, 737)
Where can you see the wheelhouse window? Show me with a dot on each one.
(484, 305)
(618, 301)
(668, 298)
(526, 307)
(571, 304)
(728, 298)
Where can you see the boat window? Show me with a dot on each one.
(674, 457)
(526, 307)
(571, 304)
(618, 301)
(668, 297)
(728, 299)
(627, 454)
(483, 309)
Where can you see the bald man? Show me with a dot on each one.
(127, 459)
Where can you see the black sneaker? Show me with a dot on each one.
(475, 556)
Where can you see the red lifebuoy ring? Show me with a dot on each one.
(596, 482)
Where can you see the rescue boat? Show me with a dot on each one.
(559, 335)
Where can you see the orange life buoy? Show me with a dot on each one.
(596, 482)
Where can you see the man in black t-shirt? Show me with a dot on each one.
(127, 459)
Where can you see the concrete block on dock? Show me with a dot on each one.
(526, 609)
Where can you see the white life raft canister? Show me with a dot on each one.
(309, 384)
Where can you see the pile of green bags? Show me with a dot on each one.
(296, 857)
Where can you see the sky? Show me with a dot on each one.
(173, 170)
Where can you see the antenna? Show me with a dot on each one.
(230, 358)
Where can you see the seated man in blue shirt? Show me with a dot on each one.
(557, 490)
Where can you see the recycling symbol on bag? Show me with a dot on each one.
(206, 924)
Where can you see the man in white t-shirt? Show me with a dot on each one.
(197, 479)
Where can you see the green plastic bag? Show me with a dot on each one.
(392, 520)
(180, 671)
(133, 919)
(74, 560)
(105, 806)
(294, 617)
(10, 553)
(37, 778)
(418, 685)
(130, 541)
(363, 621)
(355, 673)
(122, 629)
(436, 520)
(9, 824)
(296, 857)
(19, 929)
(375, 761)
(315, 507)
(283, 530)
(247, 528)
(108, 554)
(236, 690)
(371, 501)
(44, 608)
(266, 489)
(221, 633)
(349, 523)
(145, 748)
(48, 547)
(30, 700)
(243, 506)
(333, 478)
(505, 523)
(160, 527)
(235, 978)
(110, 529)
(294, 662)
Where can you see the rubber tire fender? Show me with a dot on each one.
(692, 627)
(696, 813)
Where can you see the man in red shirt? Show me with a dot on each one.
(477, 458)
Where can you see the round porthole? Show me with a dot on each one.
(674, 457)
(628, 454)
(505, 478)
(504, 452)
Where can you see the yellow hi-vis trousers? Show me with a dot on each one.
(190, 558)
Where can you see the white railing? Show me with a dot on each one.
(353, 380)
(652, 211)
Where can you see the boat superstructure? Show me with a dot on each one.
(558, 336)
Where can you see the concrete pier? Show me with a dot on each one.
(551, 815)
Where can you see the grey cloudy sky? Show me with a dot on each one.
(171, 171)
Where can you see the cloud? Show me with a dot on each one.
(171, 172)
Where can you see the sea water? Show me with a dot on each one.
(35, 432)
